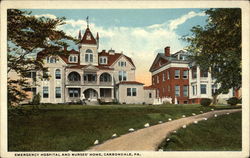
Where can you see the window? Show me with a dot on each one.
(157, 79)
(163, 77)
(122, 76)
(153, 81)
(74, 92)
(58, 92)
(51, 59)
(194, 88)
(185, 91)
(89, 56)
(177, 90)
(169, 88)
(150, 95)
(194, 72)
(214, 88)
(131, 91)
(58, 74)
(168, 75)
(185, 74)
(204, 73)
(122, 63)
(103, 60)
(73, 59)
(177, 74)
(203, 89)
(45, 92)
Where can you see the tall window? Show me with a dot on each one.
(185, 91)
(177, 74)
(122, 76)
(194, 72)
(177, 90)
(58, 92)
(150, 95)
(203, 89)
(157, 79)
(185, 74)
(45, 92)
(168, 75)
(194, 89)
(58, 74)
(89, 56)
(163, 91)
(131, 91)
(164, 76)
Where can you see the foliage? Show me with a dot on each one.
(26, 36)
(217, 47)
(206, 101)
(233, 101)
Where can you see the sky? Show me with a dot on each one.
(138, 33)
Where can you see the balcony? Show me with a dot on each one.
(73, 83)
(90, 82)
(105, 83)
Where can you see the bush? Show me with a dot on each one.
(233, 101)
(206, 101)
(36, 99)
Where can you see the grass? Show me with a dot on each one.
(222, 133)
(76, 127)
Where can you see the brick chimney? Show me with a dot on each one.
(167, 51)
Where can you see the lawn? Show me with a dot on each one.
(222, 133)
(76, 127)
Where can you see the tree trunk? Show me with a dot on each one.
(214, 102)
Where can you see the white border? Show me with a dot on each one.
(139, 5)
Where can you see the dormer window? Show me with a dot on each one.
(73, 59)
(122, 63)
(103, 60)
(51, 59)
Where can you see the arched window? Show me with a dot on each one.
(58, 74)
(89, 56)
(74, 76)
(105, 77)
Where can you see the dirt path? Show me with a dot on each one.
(150, 138)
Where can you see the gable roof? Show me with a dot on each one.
(87, 41)
(113, 58)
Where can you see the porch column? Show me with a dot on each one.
(112, 93)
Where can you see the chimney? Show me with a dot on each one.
(167, 51)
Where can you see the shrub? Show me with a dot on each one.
(36, 99)
(206, 101)
(233, 101)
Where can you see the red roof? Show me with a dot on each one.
(131, 82)
(84, 40)
(113, 57)
(149, 87)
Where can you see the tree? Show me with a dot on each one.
(26, 36)
(217, 47)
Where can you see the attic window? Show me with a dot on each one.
(73, 59)
(51, 59)
(122, 63)
(103, 60)
(88, 37)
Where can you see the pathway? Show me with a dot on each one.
(148, 139)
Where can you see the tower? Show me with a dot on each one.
(88, 48)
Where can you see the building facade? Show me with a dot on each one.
(87, 74)
(177, 79)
